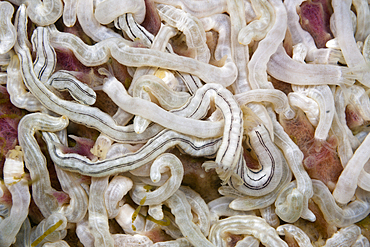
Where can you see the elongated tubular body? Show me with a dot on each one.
(42, 191)
(130, 161)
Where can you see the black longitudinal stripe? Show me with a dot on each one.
(129, 27)
(152, 142)
(241, 169)
(231, 127)
(269, 154)
(199, 104)
(168, 50)
(204, 92)
(184, 80)
(202, 95)
(267, 182)
(59, 79)
(44, 37)
(139, 27)
(26, 62)
(68, 106)
(42, 70)
(37, 54)
(54, 54)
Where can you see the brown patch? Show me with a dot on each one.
(315, 19)
(180, 47)
(326, 230)
(157, 235)
(288, 43)
(68, 61)
(34, 214)
(120, 72)
(280, 85)
(365, 227)
(320, 158)
(152, 21)
(6, 199)
(250, 161)
(75, 29)
(114, 227)
(105, 104)
(71, 237)
(300, 130)
(82, 131)
(318, 230)
(289, 239)
(82, 147)
(205, 183)
(212, 38)
(322, 162)
(62, 197)
(9, 119)
(353, 117)
(231, 239)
